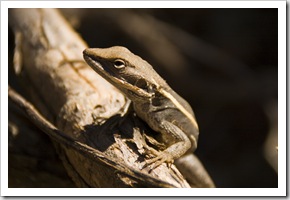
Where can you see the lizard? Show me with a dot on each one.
(153, 100)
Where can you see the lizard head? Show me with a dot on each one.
(125, 70)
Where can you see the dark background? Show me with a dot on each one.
(224, 62)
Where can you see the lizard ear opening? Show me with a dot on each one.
(119, 64)
(141, 83)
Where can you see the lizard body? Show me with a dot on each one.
(153, 100)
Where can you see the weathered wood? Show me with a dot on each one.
(32, 159)
(77, 103)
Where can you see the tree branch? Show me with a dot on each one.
(75, 105)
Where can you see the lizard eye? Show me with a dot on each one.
(119, 64)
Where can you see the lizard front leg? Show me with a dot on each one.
(175, 150)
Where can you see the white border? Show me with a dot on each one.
(143, 4)
(280, 191)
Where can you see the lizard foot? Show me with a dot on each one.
(162, 157)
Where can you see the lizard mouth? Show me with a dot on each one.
(114, 78)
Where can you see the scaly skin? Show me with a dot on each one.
(152, 98)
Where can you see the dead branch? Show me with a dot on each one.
(76, 104)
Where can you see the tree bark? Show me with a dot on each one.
(78, 109)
